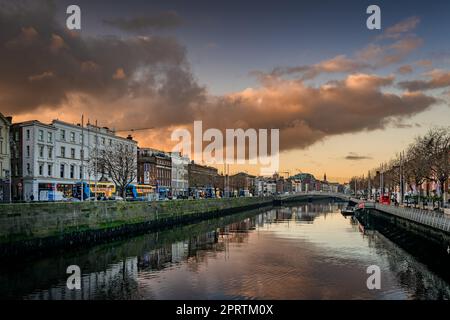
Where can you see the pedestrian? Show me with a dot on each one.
(32, 197)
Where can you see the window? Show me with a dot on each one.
(49, 170)
(63, 135)
(28, 151)
(41, 151)
(72, 153)
(41, 135)
(28, 134)
(103, 141)
(62, 169)
(50, 152)
(1, 148)
(72, 171)
(16, 135)
(50, 137)
(81, 173)
(110, 142)
(82, 154)
(28, 169)
(41, 169)
(63, 152)
(72, 137)
(81, 138)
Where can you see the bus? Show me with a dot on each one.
(140, 192)
(92, 189)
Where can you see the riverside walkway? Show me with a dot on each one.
(432, 219)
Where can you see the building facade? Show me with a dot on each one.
(202, 179)
(49, 158)
(155, 169)
(5, 159)
(180, 182)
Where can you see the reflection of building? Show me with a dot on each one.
(5, 159)
(54, 157)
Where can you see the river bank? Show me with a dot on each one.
(32, 227)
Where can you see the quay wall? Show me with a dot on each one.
(32, 227)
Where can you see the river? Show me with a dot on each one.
(305, 251)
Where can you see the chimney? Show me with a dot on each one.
(130, 137)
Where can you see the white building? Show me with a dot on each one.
(180, 183)
(55, 157)
(5, 159)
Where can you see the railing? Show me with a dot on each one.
(314, 193)
(432, 219)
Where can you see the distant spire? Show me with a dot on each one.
(325, 177)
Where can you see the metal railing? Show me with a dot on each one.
(432, 219)
(314, 193)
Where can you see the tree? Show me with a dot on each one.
(119, 161)
(415, 168)
(437, 142)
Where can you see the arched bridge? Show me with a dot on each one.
(309, 196)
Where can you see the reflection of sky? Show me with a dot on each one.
(323, 260)
(307, 252)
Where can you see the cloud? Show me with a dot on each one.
(161, 20)
(399, 29)
(46, 66)
(375, 55)
(438, 79)
(405, 69)
(338, 64)
(119, 74)
(425, 63)
(49, 72)
(355, 157)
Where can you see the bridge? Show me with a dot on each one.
(309, 196)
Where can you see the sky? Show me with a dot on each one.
(344, 97)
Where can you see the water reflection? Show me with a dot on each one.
(309, 251)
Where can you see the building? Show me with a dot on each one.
(155, 169)
(202, 179)
(265, 186)
(241, 184)
(49, 158)
(308, 182)
(5, 159)
(180, 182)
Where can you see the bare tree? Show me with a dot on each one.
(416, 165)
(119, 162)
(437, 142)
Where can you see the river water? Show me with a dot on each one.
(307, 251)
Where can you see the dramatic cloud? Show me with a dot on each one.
(306, 114)
(355, 157)
(45, 65)
(438, 79)
(146, 82)
(161, 20)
